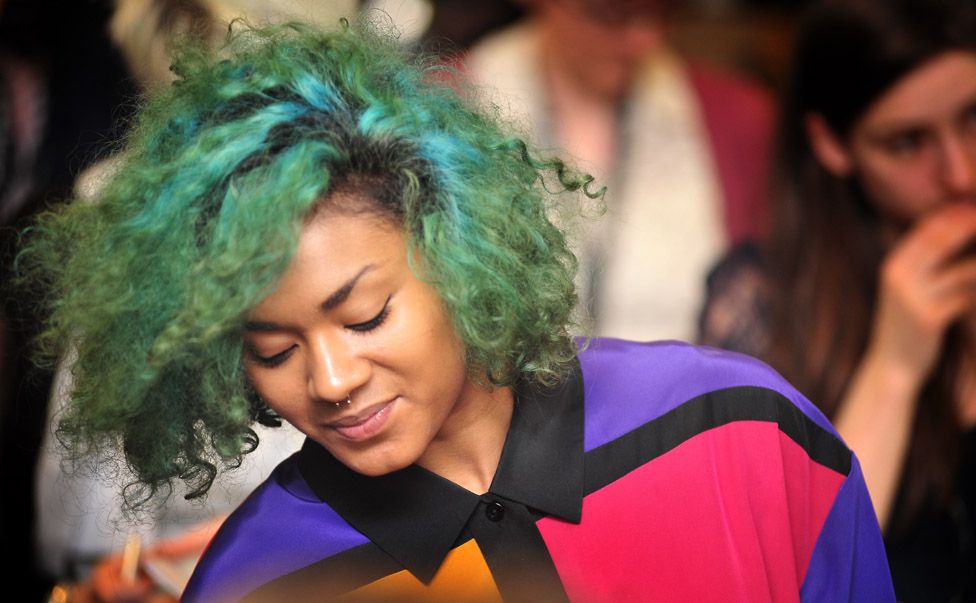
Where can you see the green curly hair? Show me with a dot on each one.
(151, 283)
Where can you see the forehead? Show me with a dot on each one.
(358, 197)
(334, 235)
(937, 89)
(334, 248)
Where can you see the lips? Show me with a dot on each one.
(364, 424)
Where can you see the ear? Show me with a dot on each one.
(829, 150)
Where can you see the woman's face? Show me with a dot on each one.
(914, 149)
(351, 320)
(601, 45)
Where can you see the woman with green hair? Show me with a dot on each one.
(315, 227)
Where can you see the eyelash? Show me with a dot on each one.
(272, 361)
(373, 323)
(362, 327)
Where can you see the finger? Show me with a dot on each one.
(185, 545)
(957, 277)
(953, 304)
(957, 306)
(114, 590)
(108, 584)
(940, 237)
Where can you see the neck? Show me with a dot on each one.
(469, 445)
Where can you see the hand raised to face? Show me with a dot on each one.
(927, 282)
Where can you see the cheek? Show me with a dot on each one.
(279, 388)
(438, 362)
(905, 191)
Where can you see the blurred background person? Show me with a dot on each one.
(864, 293)
(62, 94)
(683, 149)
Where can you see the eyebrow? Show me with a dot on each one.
(340, 294)
(337, 297)
(902, 125)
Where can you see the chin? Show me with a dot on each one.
(373, 464)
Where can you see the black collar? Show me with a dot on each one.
(416, 516)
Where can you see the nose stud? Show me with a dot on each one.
(348, 401)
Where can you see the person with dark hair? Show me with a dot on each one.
(864, 291)
(316, 227)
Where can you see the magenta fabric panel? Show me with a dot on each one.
(700, 523)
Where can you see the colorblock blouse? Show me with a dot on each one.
(660, 471)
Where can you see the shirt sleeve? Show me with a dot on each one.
(848, 561)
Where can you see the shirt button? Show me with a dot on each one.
(495, 511)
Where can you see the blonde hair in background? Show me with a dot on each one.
(145, 29)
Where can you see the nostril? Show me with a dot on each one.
(335, 370)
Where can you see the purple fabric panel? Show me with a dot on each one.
(848, 561)
(280, 528)
(627, 384)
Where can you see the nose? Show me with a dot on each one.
(959, 166)
(335, 368)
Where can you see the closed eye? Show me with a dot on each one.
(270, 361)
(372, 323)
